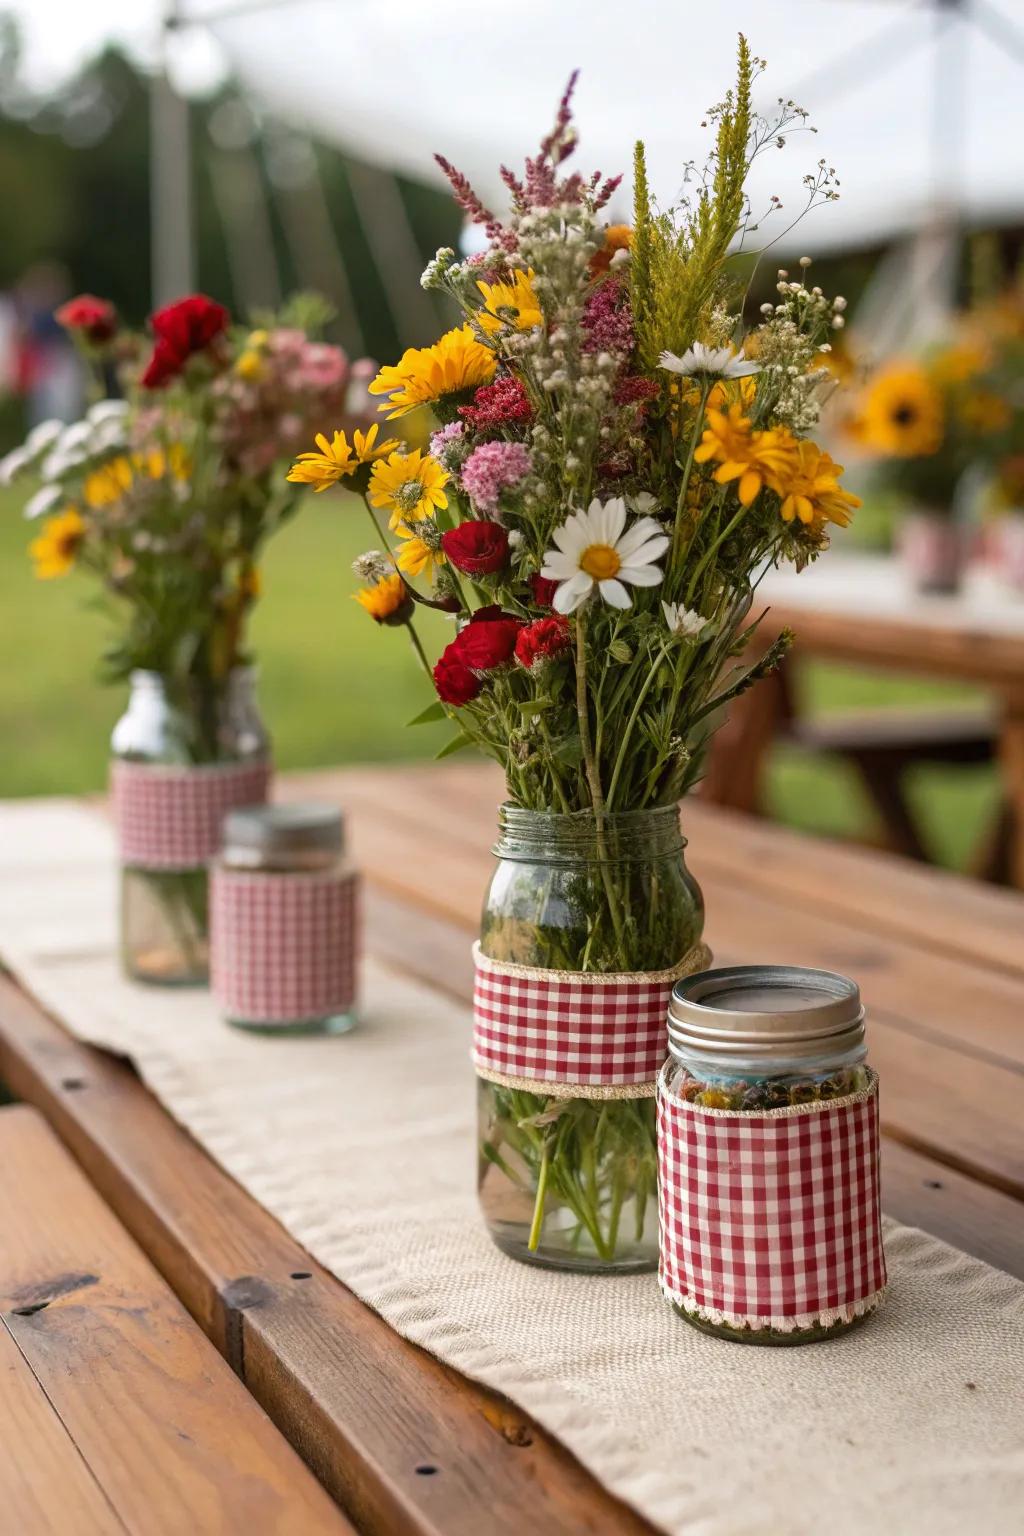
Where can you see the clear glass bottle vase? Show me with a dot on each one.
(570, 1183)
(179, 724)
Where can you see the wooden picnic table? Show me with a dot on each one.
(408, 1445)
(861, 610)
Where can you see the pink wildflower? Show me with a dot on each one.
(491, 469)
(607, 320)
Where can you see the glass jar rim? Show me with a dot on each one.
(559, 836)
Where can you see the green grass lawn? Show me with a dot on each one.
(336, 688)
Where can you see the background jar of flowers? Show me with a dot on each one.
(618, 457)
(165, 495)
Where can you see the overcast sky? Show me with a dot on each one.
(59, 34)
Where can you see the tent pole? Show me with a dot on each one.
(170, 177)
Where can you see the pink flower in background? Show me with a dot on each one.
(491, 469)
(294, 386)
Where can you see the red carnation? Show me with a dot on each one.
(488, 642)
(476, 548)
(542, 640)
(454, 682)
(501, 404)
(180, 330)
(543, 590)
(95, 320)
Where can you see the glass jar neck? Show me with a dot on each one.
(547, 837)
(237, 688)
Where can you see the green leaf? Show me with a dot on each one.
(435, 711)
(456, 744)
(534, 706)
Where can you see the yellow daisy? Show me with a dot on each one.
(408, 485)
(103, 486)
(810, 489)
(512, 304)
(386, 601)
(454, 365)
(750, 457)
(366, 448)
(416, 557)
(901, 416)
(55, 550)
(324, 469)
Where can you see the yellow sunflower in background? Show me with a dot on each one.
(810, 488)
(457, 363)
(408, 485)
(55, 550)
(512, 304)
(901, 416)
(960, 361)
(982, 410)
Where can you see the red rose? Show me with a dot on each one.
(94, 319)
(454, 682)
(543, 590)
(542, 640)
(487, 642)
(476, 548)
(180, 330)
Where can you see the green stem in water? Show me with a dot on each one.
(537, 1225)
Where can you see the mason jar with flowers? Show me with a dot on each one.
(617, 458)
(166, 498)
(928, 425)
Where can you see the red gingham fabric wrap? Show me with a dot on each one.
(773, 1219)
(171, 818)
(568, 1027)
(282, 946)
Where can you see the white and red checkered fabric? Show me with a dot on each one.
(171, 818)
(569, 1027)
(772, 1219)
(283, 947)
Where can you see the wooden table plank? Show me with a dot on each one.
(43, 1478)
(365, 1409)
(167, 1432)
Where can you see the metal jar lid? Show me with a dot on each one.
(283, 836)
(771, 1012)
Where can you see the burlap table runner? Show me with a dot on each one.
(363, 1148)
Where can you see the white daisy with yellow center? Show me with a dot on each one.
(595, 550)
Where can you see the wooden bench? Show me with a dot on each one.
(117, 1414)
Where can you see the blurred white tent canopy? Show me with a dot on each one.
(918, 105)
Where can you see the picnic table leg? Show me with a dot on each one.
(736, 761)
(1011, 760)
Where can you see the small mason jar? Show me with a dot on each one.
(569, 1182)
(178, 725)
(777, 1043)
(283, 921)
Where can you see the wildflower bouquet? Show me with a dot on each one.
(617, 459)
(166, 498)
